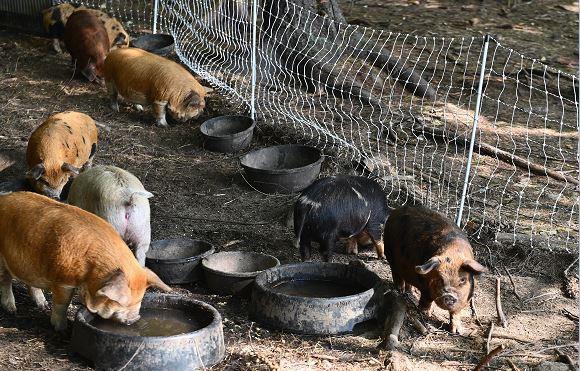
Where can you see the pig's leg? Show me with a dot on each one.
(56, 46)
(138, 232)
(305, 246)
(159, 112)
(113, 95)
(327, 247)
(61, 298)
(426, 304)
(6, 295)
(376, 235)
(455, 325)
(38, 297)
(352, 246)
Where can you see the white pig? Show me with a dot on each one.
(118, 197)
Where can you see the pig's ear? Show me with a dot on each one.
(474, 267)
(70, 168)
(207, 89)
(192, 99)
(37, 171)
(117, 289)
(428, 266)
(129, 194)
(154, 281)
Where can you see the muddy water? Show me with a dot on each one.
(154, 322)
(316, 288)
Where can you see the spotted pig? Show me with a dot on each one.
(428, 251)
(59, 149)
(335, 207)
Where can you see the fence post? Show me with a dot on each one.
(155, 11)
(254, 51)
(473, 130)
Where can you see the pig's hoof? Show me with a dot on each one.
(390, 343)
(382, 257)
(59, 325)
(9, 307)
(139, 107)
(456, 328)
(161, 123)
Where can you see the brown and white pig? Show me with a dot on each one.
(118, 197)
(58, 247)
(59, 149)
(54, 20)
(145, 78)
(87, 42)
(428, 251)
(336, 207)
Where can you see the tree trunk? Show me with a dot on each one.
(312, 46)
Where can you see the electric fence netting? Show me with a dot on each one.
(401, 106)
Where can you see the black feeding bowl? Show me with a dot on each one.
(177, 261)
(282, 169)
(227, 133)
(316, 298)
(233, 272)
(174, 333)
(160, 44)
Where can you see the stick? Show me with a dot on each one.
(485, 360)
(489, 337)
(570, 266)
(512, 365)
(500, 314)
(489, 150)
(513, 284)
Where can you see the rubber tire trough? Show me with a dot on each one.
(227, 134)
(160, 44)
(282, 169)
(316, 316)
(194, 350)
(184, 265)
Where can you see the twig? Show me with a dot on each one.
(511, 337)
(500, 314)
(571, 316)
(570, 266)
(565, 358)
(485, 360)
(474, 311)
(133, 356)
(513, 284)
(512, 365)
(209, 220)
(541, 296)
(489, 337)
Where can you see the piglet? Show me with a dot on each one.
(338, 207)
(59, 149)
(428, 251)
(118, 197)
(87, 41)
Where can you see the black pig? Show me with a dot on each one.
(335, 207)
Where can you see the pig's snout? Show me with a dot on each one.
(130, 321)
(449, 300)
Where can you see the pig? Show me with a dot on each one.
(118, 197)
(55, 18)
(59, 149)
(342, 206)
(428, 251)
(58, 247)
(87, 42)
(145, 78)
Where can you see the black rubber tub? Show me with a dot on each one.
(316, 298)
(177, 261)
(227, 134)
(160, 44)
(233, 272)
(282, 169)
(200, 348)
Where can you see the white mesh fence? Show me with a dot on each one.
(401, 105)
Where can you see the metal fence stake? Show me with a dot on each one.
(254, 58)
(155, 11)
(473, 130)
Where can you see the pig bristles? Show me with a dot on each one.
(488, 357)
(500, 314)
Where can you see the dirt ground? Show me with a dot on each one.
(203, 195)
